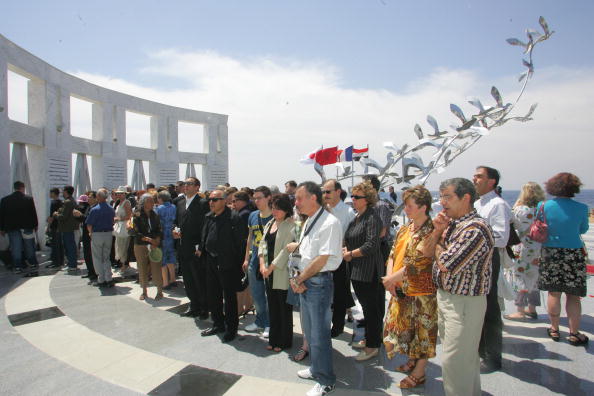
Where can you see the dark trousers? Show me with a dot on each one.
(491, 337)
(69, 248)
(367, 293)
(86, 242)
(280, 315)
(222, 284)
(57, 255)
(343, 298)
(194, 275)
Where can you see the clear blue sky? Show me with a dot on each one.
(363, 60)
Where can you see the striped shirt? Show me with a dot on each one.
(466, 256)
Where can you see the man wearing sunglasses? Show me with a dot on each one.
(223, 246)
(331, 192)
(191, 210)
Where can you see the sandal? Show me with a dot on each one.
(142, 297)
(159, 296)
(407, 367)
(269, 347)
(411, 382)
(531, 315)
(300, 355)
(554, 334)
(577, 339)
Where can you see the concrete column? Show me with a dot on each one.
(162, 170)
(109, 128)
(5, 187)
(216, 170)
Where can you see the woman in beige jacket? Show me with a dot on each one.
(274, 257)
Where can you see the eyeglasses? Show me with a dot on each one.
(215, 199)
(190, 184)
(357, 196)
(327, 191)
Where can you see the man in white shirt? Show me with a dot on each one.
(496, 211)
(320, 250)
(343, 299)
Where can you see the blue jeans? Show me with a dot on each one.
(258, 290)
(69, 248)
(17, 242)
(316, 320)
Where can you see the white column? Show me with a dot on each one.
(5, 187)
(216, 170)
(109, 127)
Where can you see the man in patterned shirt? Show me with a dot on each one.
(462, 243)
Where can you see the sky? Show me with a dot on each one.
(297, 75)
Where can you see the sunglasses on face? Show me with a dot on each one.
(357, 197)
(215, 199)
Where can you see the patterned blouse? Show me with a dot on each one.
(528, 252)
(417, 271)
(466, 256)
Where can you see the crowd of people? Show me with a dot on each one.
(308, 249)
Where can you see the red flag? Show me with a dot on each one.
(327, 156)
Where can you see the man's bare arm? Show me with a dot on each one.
(313, 268)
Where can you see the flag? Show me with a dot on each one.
(309, 158)
(327, 156)
(353, 154)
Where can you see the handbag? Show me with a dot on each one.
(539, 229)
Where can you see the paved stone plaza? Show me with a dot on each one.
(62, 337)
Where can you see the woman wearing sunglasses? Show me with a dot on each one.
(362, 252)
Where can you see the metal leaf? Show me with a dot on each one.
(532, 108)
(522, 76)
(544, 25)
(515, 41)
(418, 131)
(497, 96)
(457, 112)
(433, 122)
(533, 34)
(476, 103)
(391, 146)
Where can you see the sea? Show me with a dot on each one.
(585, 197)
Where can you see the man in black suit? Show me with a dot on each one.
(190, 219)
(223, 246)
(18, 219)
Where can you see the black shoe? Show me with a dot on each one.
(110, 283)
(212, 331)
(100, 284)
(189, 313)
(335, 332)
(228, 337)
(85, 276)
(203, 315)
(490, 367)
(92, 282)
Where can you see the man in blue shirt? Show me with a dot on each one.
(100, 226)
(256, 223)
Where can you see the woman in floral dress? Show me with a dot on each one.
(410, 327)
(527, 253)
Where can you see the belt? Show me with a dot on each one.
(103, 231)
(323, 273)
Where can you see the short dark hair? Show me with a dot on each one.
(92, 194)
(462, 186)
(335, 183)
(492, 173)
(313, 189)
(242, 196)
(375, 183)
(283, 202)
(69, 190)
(18, 185)
(55, 190)
(179, 183)
(150, 185)
(264, 190)
(291, 183)
(194, 180)
(563, 184)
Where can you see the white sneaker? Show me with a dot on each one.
(251, 328)
(305, 374)
(320, 390)
(266, 332)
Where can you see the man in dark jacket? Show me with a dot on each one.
(67, 224)
(189, 220)
(57, 255)
(18, 219)
(223, 245)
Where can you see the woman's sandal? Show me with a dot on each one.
(300, 355)
(411, 382)
(407, 367)
(577, 339)
(142, 296)
(159, 296)
(554, 334)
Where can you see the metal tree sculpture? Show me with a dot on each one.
(449, 144)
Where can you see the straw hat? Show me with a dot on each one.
(121, 190)
(156, 255)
